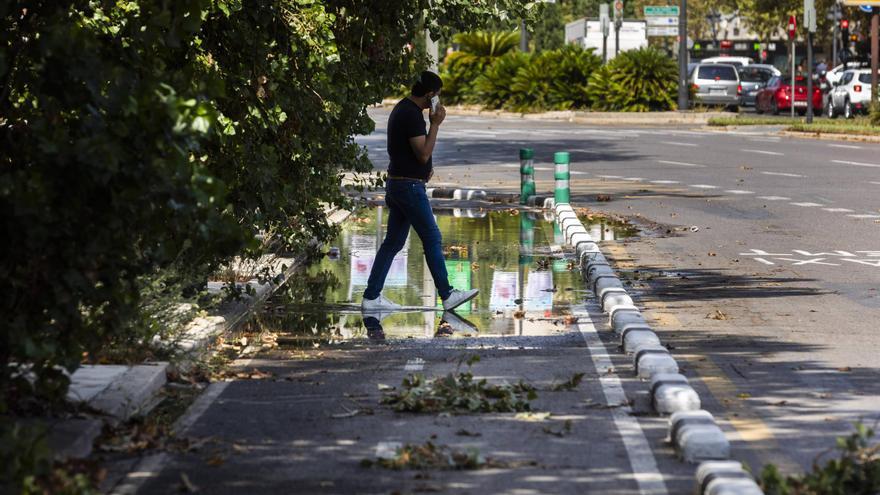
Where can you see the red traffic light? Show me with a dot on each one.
(844, 24)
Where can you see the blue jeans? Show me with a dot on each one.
(408, 205)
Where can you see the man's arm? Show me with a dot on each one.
(423, 146)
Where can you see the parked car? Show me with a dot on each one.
(836, 73)
(730, 60)
(851, 95)
(777, 96)
(753, 78)
(716, 84)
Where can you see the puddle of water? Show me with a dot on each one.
(527, 283)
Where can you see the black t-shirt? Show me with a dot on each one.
(406, 121)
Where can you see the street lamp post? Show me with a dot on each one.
(682, 58)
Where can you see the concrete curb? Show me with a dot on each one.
(583, 117)
(827, 136)
(692, 431)
(459, 194)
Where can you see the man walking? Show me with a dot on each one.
(410, 146)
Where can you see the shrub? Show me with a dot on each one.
(555, 80)
(855, 471)
(495, 87)
(477, 51)
(642, 80)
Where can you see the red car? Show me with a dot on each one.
(776, 96)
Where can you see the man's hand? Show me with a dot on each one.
(437, 117)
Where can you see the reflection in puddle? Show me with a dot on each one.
(527, 285)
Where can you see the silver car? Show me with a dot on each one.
(717, 84)
(753, 78)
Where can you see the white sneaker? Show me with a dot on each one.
(380, 303)
(458, 297)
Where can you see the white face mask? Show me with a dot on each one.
(435, 100)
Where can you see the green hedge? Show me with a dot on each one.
(567, 78)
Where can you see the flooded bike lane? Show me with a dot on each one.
(506, 395)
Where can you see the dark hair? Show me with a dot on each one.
(427, 83)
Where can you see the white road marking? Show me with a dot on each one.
(838, 210)
(634, 179)
(681, 164)
(592, 152)
(807, 204)
(738, 191)
(762, 152)
(641, 457)
(845, 146)
(783, 174)
(676, 143)
(415, 364)
(774, 198)
(665, 182)
(543, 169)
(703, 186)
(873, 182)
(858, 164)
(765, 139)
(762, 260)
(609, 176)
(575, 172)
(864, 216)
(509, 165)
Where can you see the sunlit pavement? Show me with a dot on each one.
(761, 269)
(315, 415)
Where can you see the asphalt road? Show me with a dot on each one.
(772, 296)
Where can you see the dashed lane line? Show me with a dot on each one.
(845, 146)
(703, 186)
(864, 216)
(774, 198)
(665, 182)
(681, 164)
(641, 457)
(806, 204)
(763, 152)
(838, 210)
(678, 143)
(857, 164)
(783, 174)
(738, 191)
(415, 364)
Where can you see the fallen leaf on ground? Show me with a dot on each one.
(532, 416)
(844, 369)
(717, 315)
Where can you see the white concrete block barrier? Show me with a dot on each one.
(650, 359)
(697, 438)
(635, 337)
(672, 393)
(461, 194)
(725, 478)
(613, 298)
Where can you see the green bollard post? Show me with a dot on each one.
(562, 194)
(527, 174)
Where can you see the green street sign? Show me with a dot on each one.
(662, 10)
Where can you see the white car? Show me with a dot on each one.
(735, 61)
(834, 75)
(850, 95)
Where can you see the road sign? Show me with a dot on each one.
(668, 10)
(604, 19)
(810, 15)
(618, 13)
(662, 21)
(866, 8)
(792, 27)
(860, 3)
(662, 30)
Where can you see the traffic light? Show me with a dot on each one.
(844, 24)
